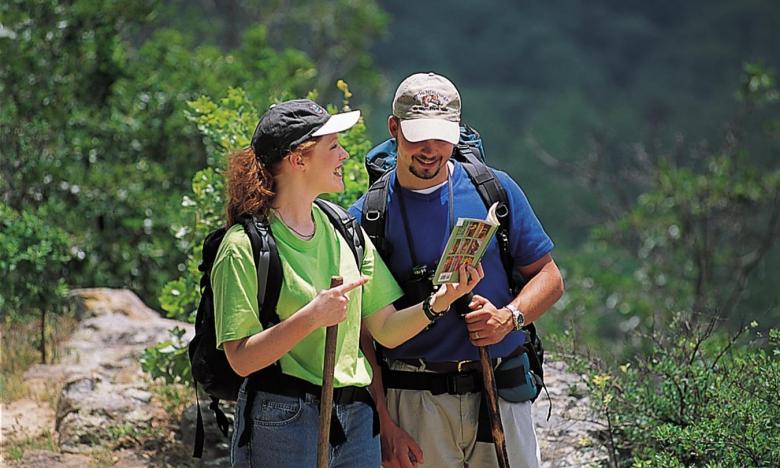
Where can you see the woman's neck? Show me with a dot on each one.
(294, 207)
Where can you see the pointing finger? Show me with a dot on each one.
(347, 287)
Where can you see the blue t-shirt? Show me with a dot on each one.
(429, 219)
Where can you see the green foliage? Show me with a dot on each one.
(695, 400)
(674, 267)
(95, 135)
(706, 225)
(168, 360)
(337, 35)
(33, 255)
(580, 78)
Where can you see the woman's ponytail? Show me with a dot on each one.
(250, 186)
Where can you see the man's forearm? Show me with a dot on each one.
(540, 293)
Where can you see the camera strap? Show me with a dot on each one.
(405, 216)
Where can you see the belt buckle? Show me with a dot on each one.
(461, 364)
(460, 384)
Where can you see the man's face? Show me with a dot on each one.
(425, 160)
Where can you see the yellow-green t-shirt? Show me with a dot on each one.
(307, 267)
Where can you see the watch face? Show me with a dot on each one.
(519, 319)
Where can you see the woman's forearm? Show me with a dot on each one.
(391, 327)
(260, 350)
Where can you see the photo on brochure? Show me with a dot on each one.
(466, 245)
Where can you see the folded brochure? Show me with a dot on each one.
(467, 243)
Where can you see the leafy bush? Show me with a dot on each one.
(699, 238)
(674, 267)
(33, 255)
(94, 133)
(696, 400)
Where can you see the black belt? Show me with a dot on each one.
(454, 383)
(447, 367)
(457, 383)
(456, 367)
(294, 387)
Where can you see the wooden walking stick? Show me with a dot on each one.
(326, 397)
(489, 384)
(491, 398)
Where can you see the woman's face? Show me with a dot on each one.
(325, 164)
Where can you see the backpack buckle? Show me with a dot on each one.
(372, 215)
(502, 210)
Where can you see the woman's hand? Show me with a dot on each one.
(329, 307)
(450, 292)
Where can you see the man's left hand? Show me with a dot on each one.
(486, 324)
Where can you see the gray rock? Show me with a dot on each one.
(105, 396)
(570, 437)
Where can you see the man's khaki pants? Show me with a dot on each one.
(445, 427)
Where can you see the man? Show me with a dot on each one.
(426, 192)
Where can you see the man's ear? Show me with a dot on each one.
(393, 125)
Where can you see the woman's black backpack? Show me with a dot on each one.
(210, 368)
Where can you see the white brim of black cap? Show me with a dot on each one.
(338, 123)
(415, 130)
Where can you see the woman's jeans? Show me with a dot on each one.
(284, 431)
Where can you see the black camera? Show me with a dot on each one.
(418, 287)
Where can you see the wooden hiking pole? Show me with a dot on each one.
(326, 397)
(491, 398)
(489, 384)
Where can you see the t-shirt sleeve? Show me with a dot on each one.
(381, 289)
(234, 282)
(527, 238)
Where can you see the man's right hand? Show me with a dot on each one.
(450, 292)
(399, 449)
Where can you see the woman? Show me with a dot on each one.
(294, 157)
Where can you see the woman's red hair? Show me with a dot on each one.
(251, 184)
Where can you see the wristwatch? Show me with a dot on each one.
(427, 307)
(518, 316)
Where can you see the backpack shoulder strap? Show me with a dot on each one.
(347, 226)
(491, 191)
(268, 265)
(374, 208)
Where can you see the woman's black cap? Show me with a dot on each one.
(288, 124)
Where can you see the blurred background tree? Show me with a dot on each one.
(94, 132)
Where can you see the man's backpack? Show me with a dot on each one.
(210, 368)
(470, 152)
